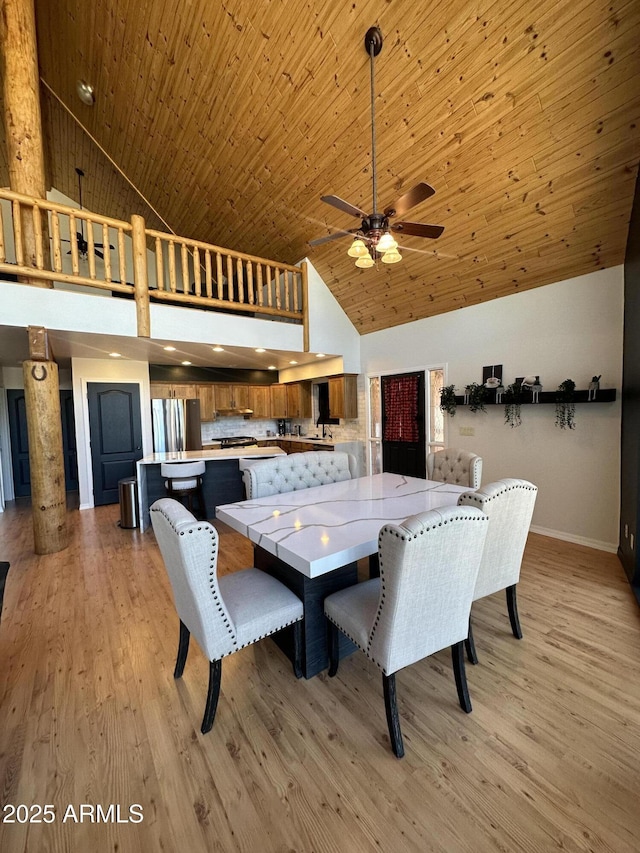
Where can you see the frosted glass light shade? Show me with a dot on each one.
(365, 262)
(391, 257)
(386, 242)
(357, 249)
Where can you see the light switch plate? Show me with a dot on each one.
(467, 431)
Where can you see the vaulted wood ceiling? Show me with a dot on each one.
(233, 118)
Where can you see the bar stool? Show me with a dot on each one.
(184, 480)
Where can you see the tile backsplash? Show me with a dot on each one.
(223, 427)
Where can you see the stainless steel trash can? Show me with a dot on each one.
(128, 492)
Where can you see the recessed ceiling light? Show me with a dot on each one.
(115, 355)
(293, 361)
(319, 355)
(272, 367)
(218, 349)
(261, 349)
(169, 349)
(186, 363)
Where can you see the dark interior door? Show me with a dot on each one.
(19, 435)
(404, 440)
(116, 436)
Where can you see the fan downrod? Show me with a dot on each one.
(373, 38)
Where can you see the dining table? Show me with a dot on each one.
(311, 540)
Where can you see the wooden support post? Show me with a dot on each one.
(46, 460)
(22, 122)
(305, 306)
(140, 276)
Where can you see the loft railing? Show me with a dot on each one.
(43, 241)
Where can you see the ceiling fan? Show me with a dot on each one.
(372, 238)
(83, 246)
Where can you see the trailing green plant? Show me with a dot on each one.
(448, 402)
(477, 396)
(565, 404)
(512, 398)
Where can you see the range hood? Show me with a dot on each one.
(228, 413)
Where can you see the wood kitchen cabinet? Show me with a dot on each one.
(343, 396)
(278, 394)
(231, 396)
(299, 400)
(260, 400)
(165, 390)
(207, 396)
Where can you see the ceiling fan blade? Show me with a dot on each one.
(99, 254)
(414, 196)
(330, 237)
(101, 245)
(351, 209)
(418, 229)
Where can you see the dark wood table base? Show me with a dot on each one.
(312, 592)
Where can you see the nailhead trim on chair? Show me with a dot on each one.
(504, 489)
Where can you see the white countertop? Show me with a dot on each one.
(323, 528)
(211, 455)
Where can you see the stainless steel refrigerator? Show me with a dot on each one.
(176, 425)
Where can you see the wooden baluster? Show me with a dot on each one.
(172, 266)
(286, 280)
(219, 274)
(269, 294)
(184, 258)
(296, 287)
(57, 247)
(3, 253)
(230, 279)
(196, 271)
(91, 249)
(17, 233)
(207, 274)
(260, 293)
(240, 275)
(37, 233)
(159, 265)
(250, 282)
(278, 288)
(106, 251)
(122, 257)
(73, 237)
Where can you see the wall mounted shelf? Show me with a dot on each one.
(603, 395)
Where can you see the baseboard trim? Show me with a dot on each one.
(86, 506)
(609, 547)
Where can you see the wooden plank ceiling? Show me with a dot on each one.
(232, 119)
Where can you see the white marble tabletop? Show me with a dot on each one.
(323, 528)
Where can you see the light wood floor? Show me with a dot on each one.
(90, 714)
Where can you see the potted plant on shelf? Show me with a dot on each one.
(512, 399)
(477, 396)
(448, 403)
(565, 404)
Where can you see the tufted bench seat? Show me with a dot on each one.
(298, 471)
(455, 466)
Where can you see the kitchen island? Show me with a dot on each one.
(222, 481)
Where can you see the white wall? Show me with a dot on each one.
(571, 329)
(85, 370)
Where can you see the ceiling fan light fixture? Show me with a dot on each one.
(392, 256)
(386, 243)
(358, 249)
(365, 262)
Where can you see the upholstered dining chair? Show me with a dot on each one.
(509, 505)
(419, 604)
(183, 481)
(455, 466)
(224, 614)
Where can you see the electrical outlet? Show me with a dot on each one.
(467, 431)
(626, 531)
